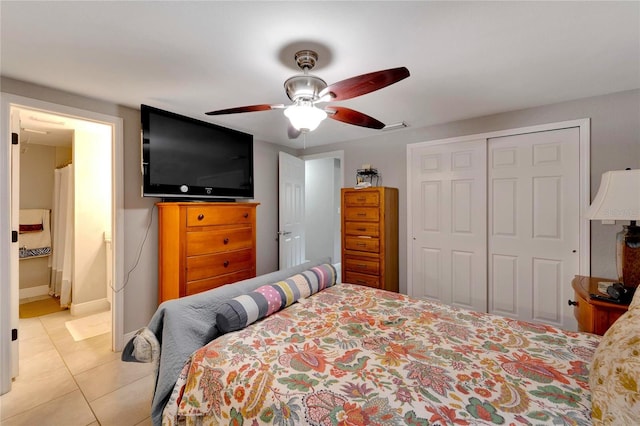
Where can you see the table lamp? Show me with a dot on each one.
(618, 198)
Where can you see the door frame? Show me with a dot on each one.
(331, 154)
(8, 101)
(583, 124)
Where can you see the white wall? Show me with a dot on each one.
(92, 211)
(321, 212)
(37, 163)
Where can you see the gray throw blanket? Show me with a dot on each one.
(181, 326)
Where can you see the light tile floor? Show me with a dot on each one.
(65, 383)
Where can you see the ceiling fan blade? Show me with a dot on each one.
(292, 132)
(350, 116)
(250, 108)
(365, 83)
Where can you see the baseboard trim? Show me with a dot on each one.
(41, 290)
(92, 307)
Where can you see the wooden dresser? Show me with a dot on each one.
(593, 315)
(370, 237)
(203, 246)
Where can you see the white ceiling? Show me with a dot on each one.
(466, 59)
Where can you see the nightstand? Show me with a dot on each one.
(593, 315)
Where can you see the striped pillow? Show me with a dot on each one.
(246, 309)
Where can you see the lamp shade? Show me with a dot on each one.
(304, 116)
(618, 197)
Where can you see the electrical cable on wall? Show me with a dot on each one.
(135, 265)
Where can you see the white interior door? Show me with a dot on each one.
(449, 250)
(291, 238)
(534, 225)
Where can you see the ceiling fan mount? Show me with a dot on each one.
(306, 59)
(305, 86)
(306, 91)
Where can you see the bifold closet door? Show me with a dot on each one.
(449, 246)
(533, 222)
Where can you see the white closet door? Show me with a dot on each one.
(449, 250)
(534, 225)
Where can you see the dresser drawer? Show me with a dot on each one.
(362, 279)
(370, 229)
(209, 265)
(218, 240)
(193, 287)
(583, 312)
(369, 214)
(371, 245)
(211, 215)
(352, 264)
(362, 199)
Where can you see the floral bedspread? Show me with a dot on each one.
(352, 355)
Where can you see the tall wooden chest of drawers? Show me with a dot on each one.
(370, 237)
(204, 245)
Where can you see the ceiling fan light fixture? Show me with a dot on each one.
(304, 116)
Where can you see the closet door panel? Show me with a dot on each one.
(547, 290)
(427, 263)
(449, 218)
(503, 299)
(533, 216)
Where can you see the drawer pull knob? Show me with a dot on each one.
(246, 215)
(572, 303)
(361, 229)
(200, 216)
(362, 214)
(225, 241)
(226, 263)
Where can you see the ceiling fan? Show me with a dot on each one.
(306, 90)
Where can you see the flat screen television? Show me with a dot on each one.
(185, 158)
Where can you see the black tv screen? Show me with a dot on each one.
(185, 158)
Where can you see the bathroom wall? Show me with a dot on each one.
(37, 165)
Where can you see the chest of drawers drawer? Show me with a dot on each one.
(218, 240)
(371, 245)
(210, 215)
(362, 214)
(362, 279)
(362, 199)
(369, 229)
(209, 265)
(363, 266)
(193, 287)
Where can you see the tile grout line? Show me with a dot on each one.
(59, 396)
(73, 377)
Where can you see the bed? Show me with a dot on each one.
(347, 354)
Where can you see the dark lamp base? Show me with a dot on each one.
(628, 255)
